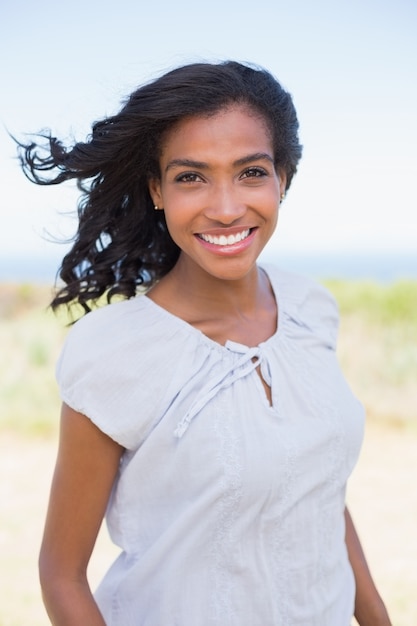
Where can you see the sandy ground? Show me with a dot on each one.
(382, 498)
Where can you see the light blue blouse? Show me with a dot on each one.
(228, 509)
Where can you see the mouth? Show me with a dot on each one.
(226, 240)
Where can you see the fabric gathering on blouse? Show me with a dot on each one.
(227, 508)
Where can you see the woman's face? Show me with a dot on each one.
(219, 190)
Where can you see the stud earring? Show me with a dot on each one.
(282, 197)
(157, 208)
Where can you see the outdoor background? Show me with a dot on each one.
(349, 64)
(349, 220)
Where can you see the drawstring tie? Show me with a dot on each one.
(249, 361)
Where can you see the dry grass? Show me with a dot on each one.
(380, 362)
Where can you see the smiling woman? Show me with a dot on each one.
(121, 242)
(220, 189)
(206, 413)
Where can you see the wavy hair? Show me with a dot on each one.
(122, 243)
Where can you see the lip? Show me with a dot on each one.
(227, 249)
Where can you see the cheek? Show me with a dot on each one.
(176, 221)
(274, 213)
(180, 209)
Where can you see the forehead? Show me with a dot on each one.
(233, 126)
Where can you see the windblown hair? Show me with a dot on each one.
(122, 243)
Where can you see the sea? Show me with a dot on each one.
(378, 267)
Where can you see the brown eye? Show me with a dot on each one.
(254, 172)
(187, 177)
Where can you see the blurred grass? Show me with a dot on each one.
(30, 339)
(378, 347)
(377, 351)
(382, 304)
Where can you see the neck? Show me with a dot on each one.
(195, 286)
(243, 310)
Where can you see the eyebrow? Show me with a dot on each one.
(200, 165)
(257, 156)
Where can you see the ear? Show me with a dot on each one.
(282, 181)
(154, 187)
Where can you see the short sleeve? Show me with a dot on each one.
(114, 369)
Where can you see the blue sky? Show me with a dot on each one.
(351, 67)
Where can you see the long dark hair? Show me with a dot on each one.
(122, 243)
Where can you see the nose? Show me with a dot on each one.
(224, 204)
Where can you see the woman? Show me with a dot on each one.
(206, 411)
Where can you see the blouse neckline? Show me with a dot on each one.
(192, 330)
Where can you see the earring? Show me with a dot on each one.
(157, 208)
(282, 197)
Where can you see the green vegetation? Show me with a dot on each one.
(30, 339)
(377, 350)
(378, 347)
(395, 303)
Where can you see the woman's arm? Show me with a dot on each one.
(86, 467)
(369, 607)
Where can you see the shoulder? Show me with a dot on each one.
(120, 336)
(305, 302)
(112, 315)
(298, 289)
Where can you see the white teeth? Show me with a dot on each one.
(222, 240)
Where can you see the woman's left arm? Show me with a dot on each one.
(369, 607)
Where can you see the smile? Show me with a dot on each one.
(223, 240)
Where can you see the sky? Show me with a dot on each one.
(351, 67)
